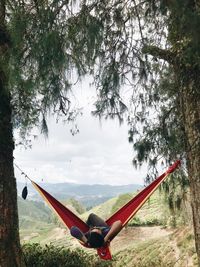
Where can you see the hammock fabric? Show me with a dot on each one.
(124, 214)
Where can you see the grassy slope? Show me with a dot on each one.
(35, 229)
(153, 210)
(34, 226)
(103, 210)
(33, 210)
(174, 250)
(34, 219)
(132, 247)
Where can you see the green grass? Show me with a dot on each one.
(152, 213)
(176, 249)
(103, 210)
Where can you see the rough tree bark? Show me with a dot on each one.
(10, 251)
(190, 107)
(188, 86)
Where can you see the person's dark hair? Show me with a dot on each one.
(95, 240)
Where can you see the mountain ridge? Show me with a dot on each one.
(89, 195)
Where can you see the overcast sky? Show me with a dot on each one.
(98, 154)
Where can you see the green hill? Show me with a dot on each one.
(102, 210)
(38, 223)
(146, 245)
(154, 211)
(34, 209)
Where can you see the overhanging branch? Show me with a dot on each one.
(158, 53)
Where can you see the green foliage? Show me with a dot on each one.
(162, 133)
(121, 200)
(77, 205)
(33, 209)
(47, 40)
(138, 221)
(51, 256)
(83, 38)
(120, 44)
(176, 190)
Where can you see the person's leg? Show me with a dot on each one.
(77, 233)
(94, 220)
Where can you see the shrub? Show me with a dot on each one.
(50, 256)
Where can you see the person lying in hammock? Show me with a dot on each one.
(99, 234)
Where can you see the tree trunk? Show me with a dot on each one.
(190, 104)
(10, 252)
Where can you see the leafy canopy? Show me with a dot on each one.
(44, 60)
(128, 46)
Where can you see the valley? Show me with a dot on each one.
(149, 240)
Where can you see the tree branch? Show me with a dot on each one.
(139, 21)
(157, 52)
(2, 12)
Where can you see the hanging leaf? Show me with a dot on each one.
(24, 192)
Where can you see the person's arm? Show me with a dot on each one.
(114, 230)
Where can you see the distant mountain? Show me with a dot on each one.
(88, 195)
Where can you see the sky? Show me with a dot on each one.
(99, 154)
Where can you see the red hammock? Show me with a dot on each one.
(124, 214)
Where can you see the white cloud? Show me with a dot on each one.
(100, 153)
